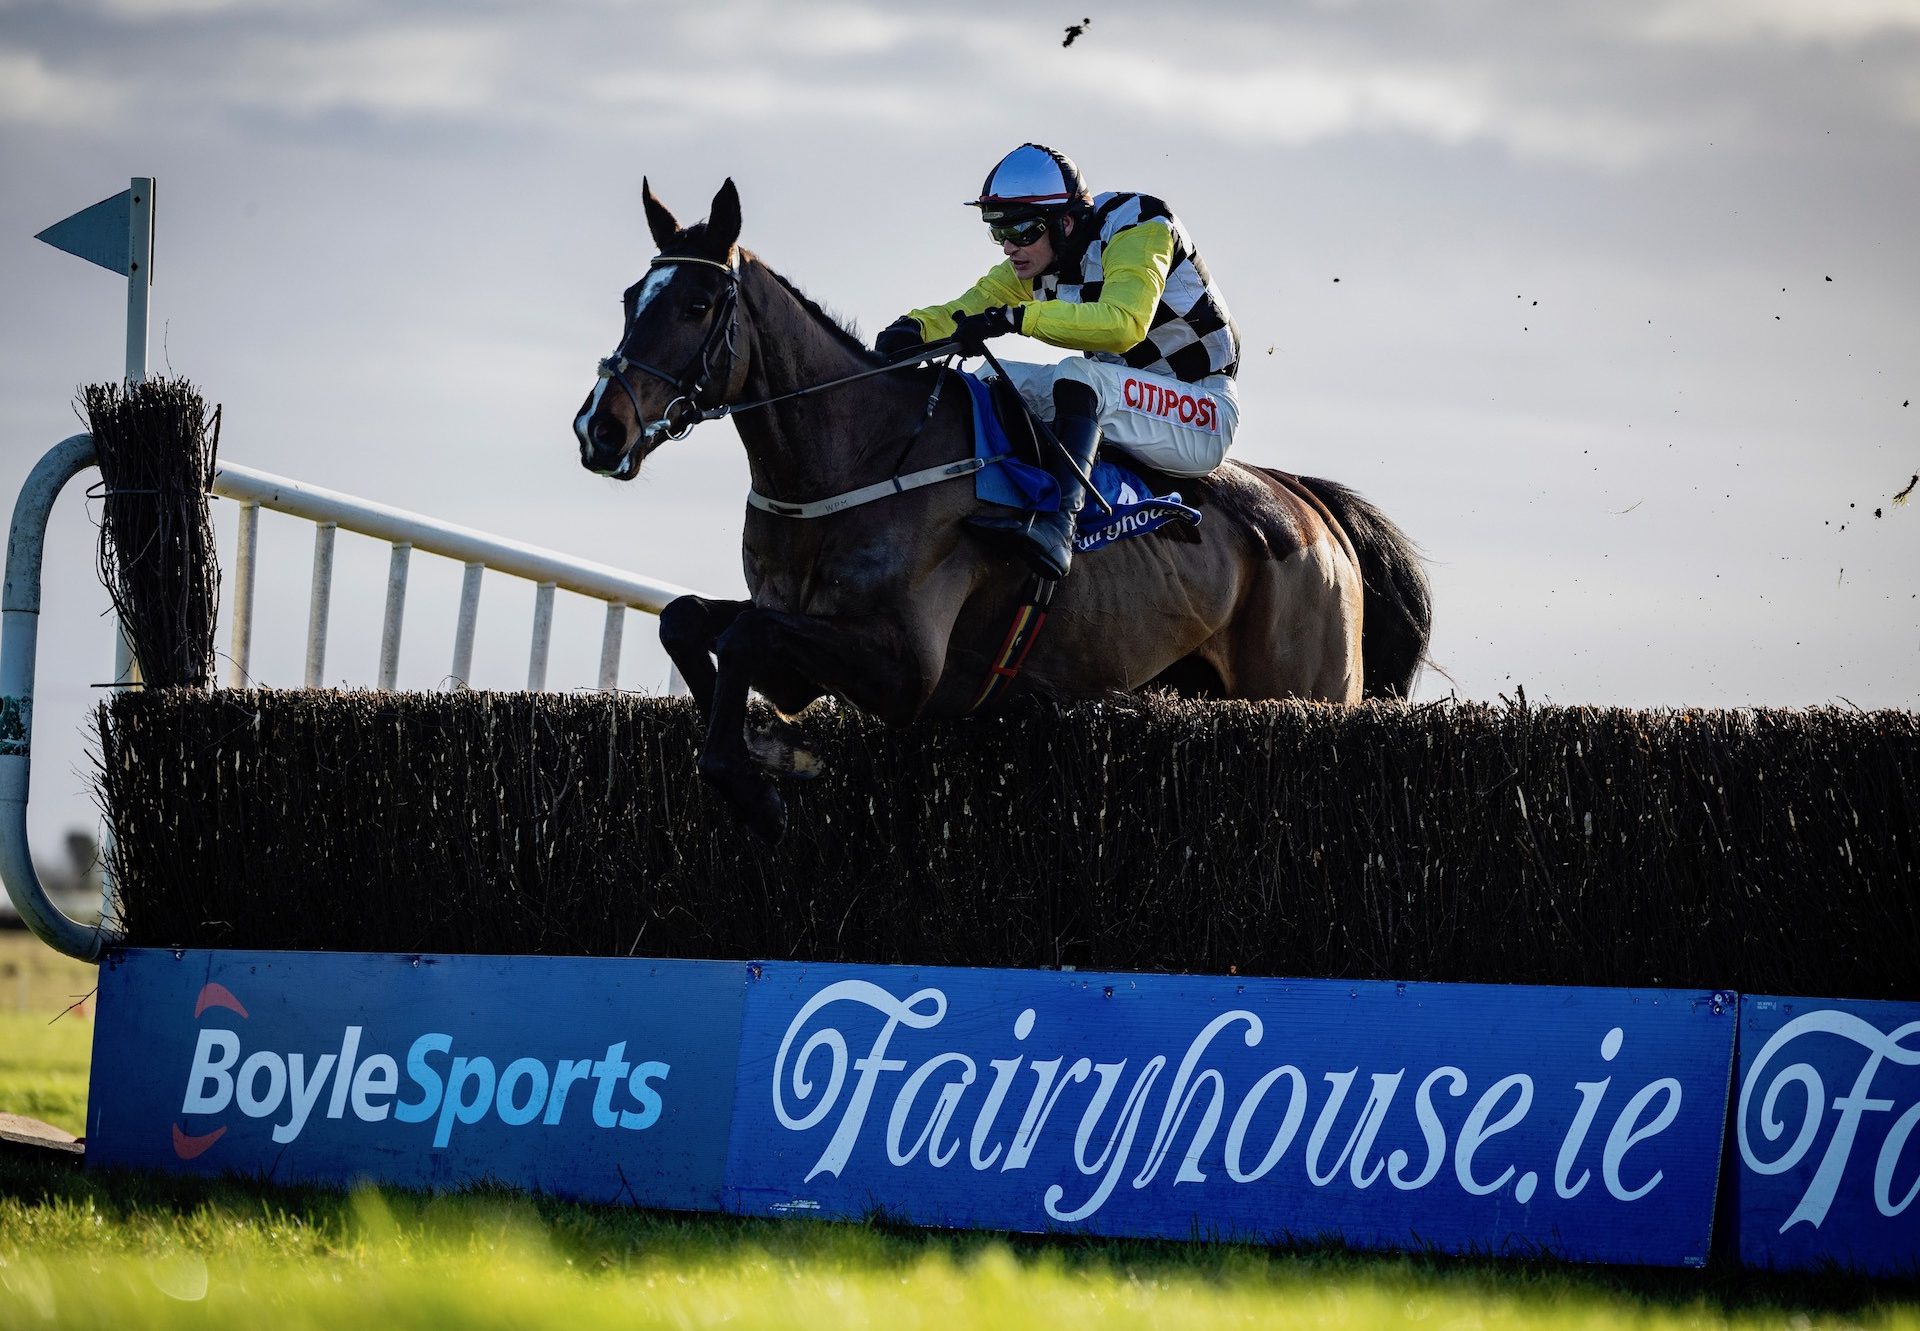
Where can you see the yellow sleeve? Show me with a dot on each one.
(1136, 263)
(998, 287)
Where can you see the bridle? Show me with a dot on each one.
(696, 380)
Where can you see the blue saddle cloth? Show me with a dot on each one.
(1017, 484)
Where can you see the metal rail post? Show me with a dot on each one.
(246, 546)
(542, 637)
(479, 551)
(391, 621)
(610, 647)
(320, 603)
(19, 647)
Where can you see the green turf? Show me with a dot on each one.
(35, 978)
(46, 1032)
(82, 1249)
(43, 1068)
(85, 1250)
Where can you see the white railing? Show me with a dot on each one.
(405, 532)
(331, 511)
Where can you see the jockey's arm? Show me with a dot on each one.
(1136, 264)
(998, 287)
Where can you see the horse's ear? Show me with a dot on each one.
(659, 220)
(723, 220)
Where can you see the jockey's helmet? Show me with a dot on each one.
(1031, 181)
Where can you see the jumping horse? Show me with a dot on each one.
(868, 586)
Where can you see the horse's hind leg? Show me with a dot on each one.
(1296, 634)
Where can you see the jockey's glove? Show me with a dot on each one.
(903, 334)
(971, 331)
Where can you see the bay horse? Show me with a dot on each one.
(1290, 587)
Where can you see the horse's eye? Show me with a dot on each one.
(699, 307)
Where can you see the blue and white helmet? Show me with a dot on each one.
(1032, 180)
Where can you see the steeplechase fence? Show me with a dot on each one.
(1761, 850)
(1459, 977)
(330, 512)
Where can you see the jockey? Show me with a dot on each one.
(1116, 277)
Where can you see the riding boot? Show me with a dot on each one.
(1045, 540)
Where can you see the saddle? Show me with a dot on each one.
(1004, 433)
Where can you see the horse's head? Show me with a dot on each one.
(678, 353)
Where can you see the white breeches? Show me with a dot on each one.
(1182, 429)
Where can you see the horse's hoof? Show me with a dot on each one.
(767, 818)
(753, 798)
(774, 749)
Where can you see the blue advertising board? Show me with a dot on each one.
(1585, 1123)
(1828, 1126)
(599, 1079)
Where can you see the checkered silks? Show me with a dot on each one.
(1191, 334)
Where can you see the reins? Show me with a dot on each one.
(1031, 613)
(724, 331)
(893, 485)
(933, 351)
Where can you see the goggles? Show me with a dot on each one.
(1021, 233)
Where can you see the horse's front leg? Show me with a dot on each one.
(689, 628)
(872, 662)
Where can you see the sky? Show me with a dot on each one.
(1611, 306)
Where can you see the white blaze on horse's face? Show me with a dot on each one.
(608, 445)
(656, 283)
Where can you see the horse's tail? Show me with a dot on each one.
(1397, 606)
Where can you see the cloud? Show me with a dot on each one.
(130, 76)
(158, 11)
(812, 31)
(1278, 86)
(1298, 104)
(752, 98)
(34, 93)
(559, 70)
(1583, 91)
(415, 70)
(1792, 22)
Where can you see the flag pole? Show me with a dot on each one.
(117, 234)
(139, 275)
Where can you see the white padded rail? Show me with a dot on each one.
(479, 552)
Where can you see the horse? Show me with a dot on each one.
(1289, 587)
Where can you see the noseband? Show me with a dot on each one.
(694, 382)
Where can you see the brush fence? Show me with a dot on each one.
(1760, 850)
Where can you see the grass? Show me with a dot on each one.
(46, 1032)
(113, 1250)
(43, 1069)
(85, 1250)
(37, 981)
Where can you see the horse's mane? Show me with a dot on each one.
(842, 332)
